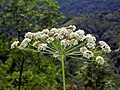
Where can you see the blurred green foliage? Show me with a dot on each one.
(42, 72)
(37, 72)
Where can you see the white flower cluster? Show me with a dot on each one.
(65, 37)
(65, 42)
(25, 42)
(29, 35)
(91, 41)
(14, 44)
(100, 60)
(105, 47)
(83, 49)
(86, 53)
(42, 46)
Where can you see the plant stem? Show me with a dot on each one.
(21, 70)
(63, 72)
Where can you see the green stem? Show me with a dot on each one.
(63, 72)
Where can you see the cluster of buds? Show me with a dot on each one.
(65, 40)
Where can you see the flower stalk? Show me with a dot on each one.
(63, 72)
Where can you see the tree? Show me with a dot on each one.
(21, 15)
(17, 17)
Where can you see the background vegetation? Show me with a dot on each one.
(33, 71)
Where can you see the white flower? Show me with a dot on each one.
(44, 36)
(53, 31)
(105, 47)
(100, 60)
(38, 35)
(74, 41)
(65, 42)
(82, 38)
(90, 38)
(88, 54)
(64, 31)
(71, 28)
(36, 43)
(29, 35)
(102, 43)
(80, 35)
(91, 45)
(45, 31)
(73, 35)
(14, 44)
(80, 32)
(58, 36)
(25, 42)
(42, 46)
(83, 49)
(50, 39)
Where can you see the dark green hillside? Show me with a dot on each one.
(105, 25)
(88, 6)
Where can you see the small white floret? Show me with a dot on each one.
(14, 44)
(29, 35)
(65, 42)
(90, 38)
(42, 46)
(73, 35)
(83, 49)
(80, 32)
(88, 54)
(45, 31)
(25, 42)
(100, 60)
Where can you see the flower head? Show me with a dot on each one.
(74, 41)
(64, 31)
(42, 46)
(102, 43)
(71, 28)
(105, 47)
(73, 35)
(37, 35)
(90, 38)
(83, 49)
(88, 54)
(53, 31)
(36, 43)
(80, 32)
(29, 35)
(65, 42)
(25, 42)
(100, 60)
(50, 39)
(58, 36)
(91, 45)
(14, 44)
(45, 31)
